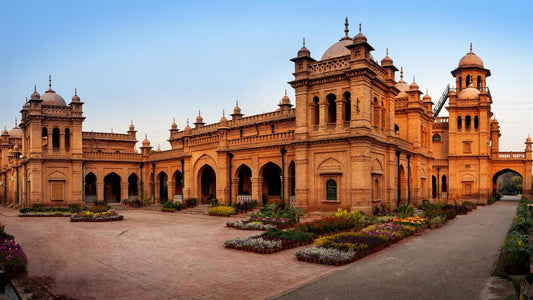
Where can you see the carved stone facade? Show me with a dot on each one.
(355, 139)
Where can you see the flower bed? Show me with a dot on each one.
(280, 223)
(327, 225)
(255, 244)
(328, 256)
(45, 214)
(221, 211)
(12, 258)
(246, 225)
(89, 216)
(415, 221)
(289, 239)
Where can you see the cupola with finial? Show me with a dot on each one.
(223, 124)
(414, 92)
(285, 103)
(146, 148)
(360, 48)
(199, 121)
(35, 95)
(132, 133)
(188, 129)
(76, 98)
(50, 97)
(427, 101)
(471, 69)
(402, 85)
(236, 115)
(301, 62)
(387, 64)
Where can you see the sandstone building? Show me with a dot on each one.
(354, 138)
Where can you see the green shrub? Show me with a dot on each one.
(222, 210)
(404, 211)
(296, 236)
(74, 208)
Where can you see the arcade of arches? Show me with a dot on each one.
(358, 137)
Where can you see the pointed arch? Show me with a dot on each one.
(112, 187)
(162, 177)
(271, 174)
(133, 180)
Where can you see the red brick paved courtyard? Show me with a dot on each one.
(153, 255)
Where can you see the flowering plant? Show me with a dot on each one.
(415, 221)
(11, 255)
(326, 255)
(278, 222)
(249, 225)
(253, 242)
(221, 211)
(90, 216)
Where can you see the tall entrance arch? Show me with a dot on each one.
(244, 174)
(112, 187)
(133, 192)
(208, 183)
(163, 186)
(90, 188)
(271, 186)
(517, 185)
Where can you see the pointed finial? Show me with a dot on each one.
(50, 81)
(26, 99)
(236, 102)
(223, 113)
(187, 121)
(16, 122)
(75, 91)
(174, 120)
(346, 29)
(427, 91)
(470, 46)
(35, 88)
(198, 112)
(304, 43)
(387, 52)
(146, 136)
(131, 122)
(401, 73)
(359, 27)
(285, 92)
(414, 79)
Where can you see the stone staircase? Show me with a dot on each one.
(200, 209)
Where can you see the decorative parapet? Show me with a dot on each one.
(253, 139)
(63, 111)
(441, 123)
(509, 155)
(167, 154)
(112, 156)
(107, 136)
(335, 64)
(440, 162)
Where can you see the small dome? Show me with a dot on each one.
(469, 93)
(413, 86)
(401, 95)
(76, 98)
(223, 120)
(26, 105)
(494, 120)
(386, 61)
(285, 99)
(174, 126)
(337, 50)
(426, 97)
(4, 132)
(528, 139)
(199, 119)
(402, 85)
(15, 133)
(237, 109)
(471, 60)
(304, 52)
(35, 95)
(146, 142)
(359, 38)
(132, 127)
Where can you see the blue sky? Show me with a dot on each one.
(152, 61)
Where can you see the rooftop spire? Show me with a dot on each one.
(223, 113)
(346, 29)
(35, 88)
(237, 102)
(285, 92)
(50, 81)
(304, 42)
(75, 91)
(401, 73)
(16, 122)
(470, 47)
(359, 27)
(187, 121)
(387, 52)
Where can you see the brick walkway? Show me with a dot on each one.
(153, 255)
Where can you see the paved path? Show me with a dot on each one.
(452, 262)
(152, 255)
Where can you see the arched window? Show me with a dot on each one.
(317, 111)
(347, 107)
(44, 133)
(272, 128)
(476, 122)
(67, 139)
(444, 184)
(436, 137)
(468, 80)
(478, 83)
(331, 190)
(376, 121)
(460, 82)
(459, 123)
(332, 108)
(468, 122)
(396, 130)
(55, 139)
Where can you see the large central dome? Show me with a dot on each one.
(51, 98)
(338, 49)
